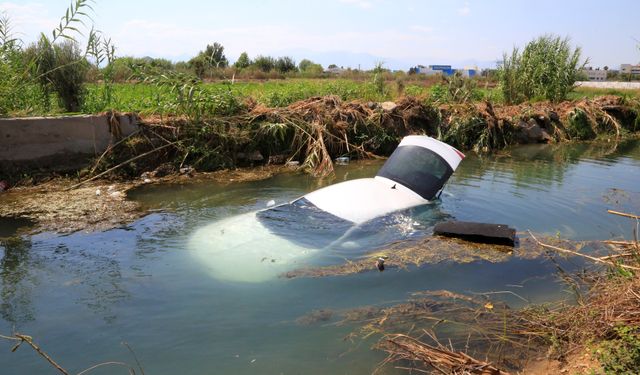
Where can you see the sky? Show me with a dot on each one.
(350, 33)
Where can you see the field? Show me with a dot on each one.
(149, 99)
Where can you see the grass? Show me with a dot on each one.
(149, 99)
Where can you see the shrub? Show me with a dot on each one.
(264, 63)
(547, 68)
(285, 65)
(243, 61)
(16, 90)
(378, 79)
(58, 68)
(621, 355)
(579, 125)
(69, 74)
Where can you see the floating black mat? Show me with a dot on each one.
(500, 234)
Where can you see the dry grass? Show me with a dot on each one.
(316, 130)
(436, 249)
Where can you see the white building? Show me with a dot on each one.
(630, 69)
(595, 74)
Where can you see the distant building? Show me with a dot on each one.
(633, 70)
(445, 70)
(469, 71)
(595, 74)
(335, 70)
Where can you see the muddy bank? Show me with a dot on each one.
(50, 207)
(58, 206)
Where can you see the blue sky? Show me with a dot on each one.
(351, 32)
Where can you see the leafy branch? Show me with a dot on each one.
(7, 39)
(74, 15)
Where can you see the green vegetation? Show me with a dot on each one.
(61, 69)
(54, 66)
(456, 89)
(621, 353)
(547, 69)
(150, 99)
(211, 58)
(243, 61)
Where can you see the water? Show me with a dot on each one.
(80, 296)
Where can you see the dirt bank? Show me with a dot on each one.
(315, 131)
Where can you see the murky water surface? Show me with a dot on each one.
(80, 296)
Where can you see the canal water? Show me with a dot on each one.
(80, 296)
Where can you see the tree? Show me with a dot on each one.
(212, 57)
(264, 63)
(547, 68)
(305, 64)
(310, 68)
(285, 64)
(243, 61)
(332, 66)
(199, 65)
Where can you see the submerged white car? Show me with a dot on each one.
(261, 245)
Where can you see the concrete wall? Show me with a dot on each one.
(71, 140)
(610, 85)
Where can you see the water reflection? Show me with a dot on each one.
(539, 166)
(16, 284)
(10, 226)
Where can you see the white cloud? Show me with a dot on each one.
(28, 20)
(364, 4)
(465, 10)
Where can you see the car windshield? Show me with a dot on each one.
(303, 223)
(418, 168)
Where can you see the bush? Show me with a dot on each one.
(547, 68)
(285, 65)
(69, 75)
(621, 355)
(457, 89)
(264, 63)
(58, 68)
(243, 61)
(378, 79)
(17, 92)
